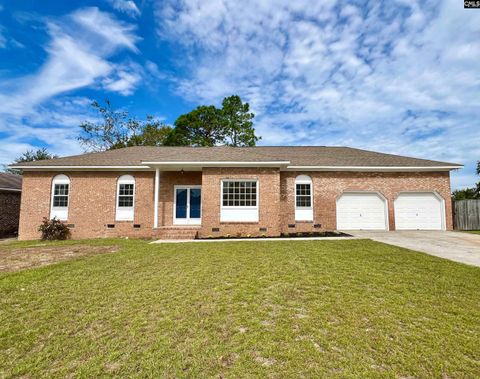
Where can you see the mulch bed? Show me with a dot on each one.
(284, 235)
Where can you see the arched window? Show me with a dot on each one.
(125, 198)
(60, 197)
(303, 198)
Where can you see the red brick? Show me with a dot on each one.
(93, 196)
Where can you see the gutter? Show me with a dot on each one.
(219, 164)
(373, 168)
(38, 167)
(284, 165)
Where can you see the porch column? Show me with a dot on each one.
(157, 190)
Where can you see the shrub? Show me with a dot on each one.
(53, 229)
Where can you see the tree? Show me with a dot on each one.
(468, 193)
(30, 156)
(237, 122)
(200, 127)
(153, 133)
(114, 130)
(209, 126)
(117, 130)
(204, 126)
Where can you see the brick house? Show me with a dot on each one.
(183, 192)
(10, 193)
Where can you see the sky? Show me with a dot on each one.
(397, 76)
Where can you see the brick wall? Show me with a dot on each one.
(93, 197)
(91, 204)
(9, 213)
(328, 186)
(269, 202)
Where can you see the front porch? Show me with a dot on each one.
(177, 202)
(191, 201)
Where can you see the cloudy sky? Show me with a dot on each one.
(398, 76)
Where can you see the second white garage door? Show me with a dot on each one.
(418, 211)
(361, 211)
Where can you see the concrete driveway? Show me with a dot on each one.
(456, 246)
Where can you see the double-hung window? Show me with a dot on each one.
(60, 197)
(125, 195)
(303, 198)
(239, 201)
(125, 198)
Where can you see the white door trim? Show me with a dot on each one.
(187, 220)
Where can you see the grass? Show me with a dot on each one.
(473, 231)
(344, 309)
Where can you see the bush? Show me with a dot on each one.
(53, 230)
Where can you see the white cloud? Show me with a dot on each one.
(125, 79)
(395, 77)
(78, 55)
(126, 6)
(153, 70)
(114, 33)
(53, 126)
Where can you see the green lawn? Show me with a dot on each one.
(346, 309)
(473, 231)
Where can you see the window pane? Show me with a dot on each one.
(303, 198)
(125, 201)
(125, 195)
(303, 189)
(181, 204)
(126, 189)
(60, 201)
(239, 193)
(61, 189)
(303, 201)
(195, 202)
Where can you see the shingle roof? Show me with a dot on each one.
(10, 181)
(296, 155)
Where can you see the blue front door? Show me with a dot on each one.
(188, 205)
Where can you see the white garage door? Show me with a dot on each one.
(418, 211)
(361, 211)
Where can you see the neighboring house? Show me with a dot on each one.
(10, 193)
(179, 192)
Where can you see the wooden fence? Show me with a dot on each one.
(466, 214)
